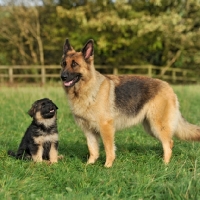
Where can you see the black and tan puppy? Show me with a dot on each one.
(40, 141)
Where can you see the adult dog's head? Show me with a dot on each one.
(76, 66)
(42, 110)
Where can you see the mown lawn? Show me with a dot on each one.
(138, 172)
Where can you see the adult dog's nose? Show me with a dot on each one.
(64, 76)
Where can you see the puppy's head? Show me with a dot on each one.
(43, 109)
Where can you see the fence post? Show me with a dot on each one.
(173, 76)
(184, 72)
(150, 71)
(115, 70)
(10, 74)
(43, 74)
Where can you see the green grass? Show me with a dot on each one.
(137, 173)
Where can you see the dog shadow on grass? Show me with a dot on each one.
(80, 151)
(140, 149)
(75, 149)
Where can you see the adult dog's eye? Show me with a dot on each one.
(74, 64)
(63, 64)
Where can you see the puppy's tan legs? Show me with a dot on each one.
(107, 134)
(38, 156)
(93, 146)
(53, 154)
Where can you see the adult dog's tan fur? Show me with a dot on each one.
(102, 104)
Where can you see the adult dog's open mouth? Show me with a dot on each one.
(71, 82)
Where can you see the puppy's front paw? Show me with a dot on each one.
(53, 161)
(60, 157)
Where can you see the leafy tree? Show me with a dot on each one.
(159, 32)
(22, 32)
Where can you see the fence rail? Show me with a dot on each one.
(15, 74)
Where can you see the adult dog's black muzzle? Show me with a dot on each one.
(69, 79)
(64, 76)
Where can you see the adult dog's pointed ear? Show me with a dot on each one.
(67, 47)
(88, 49)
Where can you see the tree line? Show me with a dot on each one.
(126, 32)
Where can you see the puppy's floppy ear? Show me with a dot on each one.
(31, 112)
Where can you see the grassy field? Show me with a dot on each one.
(138, 172)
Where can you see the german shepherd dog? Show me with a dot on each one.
(40, 141)
(103, 104)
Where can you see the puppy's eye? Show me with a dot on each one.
(74, 64)
(35, 105)
(63, 64)
(43, 104)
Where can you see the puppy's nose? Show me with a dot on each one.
(64, 76)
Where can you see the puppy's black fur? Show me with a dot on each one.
(40, 141)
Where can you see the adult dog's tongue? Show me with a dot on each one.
(68, 83)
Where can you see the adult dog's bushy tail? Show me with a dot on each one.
(187, 131)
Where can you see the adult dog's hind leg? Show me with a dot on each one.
(167, 148)
(93, 146)
(162, 131)
(162, 117)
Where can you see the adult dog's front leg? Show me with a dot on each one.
(107, 133)
(93, 146)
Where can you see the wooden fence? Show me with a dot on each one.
(42, 74)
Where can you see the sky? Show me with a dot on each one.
(26, 2)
